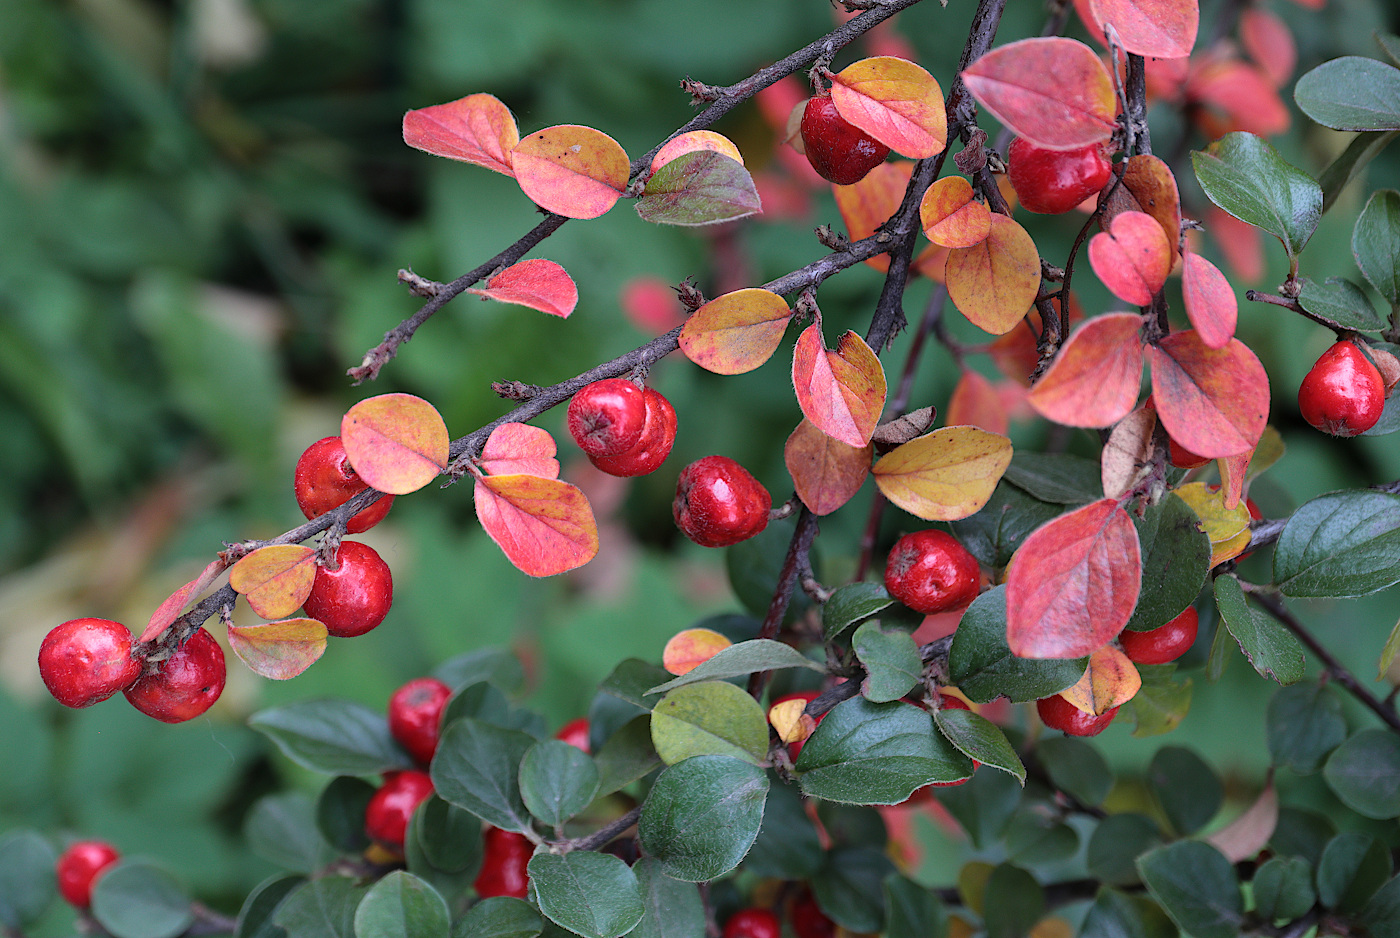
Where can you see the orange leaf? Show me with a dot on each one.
(1233, 472)
(894, 101)
(519, 449)
(1109, 681)
(396, 442)
(536, 283)
(976, 403)
(544, 526)
(868, 204)
(1162, 29)
(995, 282)
(1214, 402)
(1095, 379)
(278, 650)
(276, 579)
(1210, 300)
(571, 170)
(476, 129)
(1243, 94)
(843, 391)
(1126, 457)
(945, 475)
(168, 611)
(1072, 585)
(736, 332)
(1148, 186)
(790, 722)
(1227, 528)
(1053, 91)
(951, 216)
(1132, 257)
(696, 140)
(690, 648)
(825, 472)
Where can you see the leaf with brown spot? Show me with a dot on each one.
(571, 170)
(825, 472)
(736, 332)
(944, 476)
(1095, 379)
(279, 650)
(544, 526)
(396, 442)
(842, 391)
(1227, 528)
(993, 283)
(276, 580)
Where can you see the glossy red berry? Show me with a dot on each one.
(415, 711)
(354, 598)
(1055, 181)
(607, 417)
(84, 661)
(719, 503)
(184, 685)
(1164, 643)
(654, 445)
(1059, 714)
(324, 479)
(838, 150)
(929, 571)
(503, 865)
(392, 806)
(80, 867)
(809, 921)
(1343, 394)
(753, 922)
(575, 733)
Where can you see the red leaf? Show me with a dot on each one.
(519, 449)
(1233, 470)
(841, 392)
(1269, 42)
(279, 650)
(1214, 402)
(1210, 300)
(544, 526)
(1148, 186)
(571, 170)
(1055, 92)
(476, 129)
(1163, 29)
(1095, 379)
(396, 442)
(994, 283)
(168, 611)
(275, 579)
(976, 403)
(736, 332)
(1242, 94)
(1072, 585)
(896, 102)
(825, 472)
(536, 283)
(1132, 258)
(650, 304)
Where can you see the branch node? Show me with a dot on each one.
(700, 93)
(417, 285)
(831, 238)
(515, 390)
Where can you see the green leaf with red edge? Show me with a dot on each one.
(544, 526)
(1210, 300)
(951, 216)
(826, 473)
(896, 102)
(1053, 91)
(1148, 186)
(396, 442)
(1072, 585)
(1162, 29)
(703, 187)
(843, 391)
(571, 170)
(168, 611)
(695, 141)
(536, 283)
(736, 332)
(1095, 379)
(945, 475)
(1132, 258)
(278, 650)
(976, 403)
(868, 204)
(476, 129)
(994, 283)
(275, 579)
(1214, 402)
(519, 449)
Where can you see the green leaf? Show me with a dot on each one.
(1357, 156)
(487, 703)
(1244, 175)
(852, 603)
(1301, 833)
(631, 680)
(853, 825)
(497, 665)
(981, 664)
(984, 806)
(1273, 650)
(1351, 93)
(755, 565)
(699, 188)
(1118, 915)
(1375, 242)
(321, 908)
(26, 877)
(1389, 44)
(1364, 772)
(255, 918)
(760, 654)
(477, 767)
(1343, 544)
(591, 894)
(1175, 562)
(1342, 302)
(282, 828)
(1197, 886)
(1283, 889)
(849, 888)
(499, 917)
(334, 737)
(1116, 844)
(1353, 866)
(911, 910)
(626, 756)
(1034, 838)
(1161, 703)
(402, 906)
(1058, 478)
(340, 813)
(557, 781)
(1012, 903)
(449, 837)
(1186, 787)
(1304, 724)
(713, 718)
(138, 900)
(891, 660)
(993, 534)
(673, 907)
(702, 815)
(1381, 917)
(788, 846)
(1076, 768)
(978, 738)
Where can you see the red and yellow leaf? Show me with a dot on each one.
(736, 332)
(703, 187)
(278, 650)
(168, 611)
(693, 141)
(945, 475)
(1109, 681)
(1227, 528)
(1126, 459)
(1233, 472)
(976, 403)
(396, 442)
(571, 170)
(1148, 186)
(868, 204)
(690, 648)
(1094, 381)
(1214, 402)
(951, 216)
(1210, 300)
(1162, 29)
(519, 449)
(994, 283)
(1053, 91)
(544, 526)
(476, 129)
(276, 579)
(826, 473)
(843, 391)
(1132, 258)
(896, 102)
(536, 283)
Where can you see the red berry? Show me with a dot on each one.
(753, 923)
(575, 733)
(651, 450)
(838, 150)
(391, 807)
(1055, 181)
(83, 661)
(931, 572)
(356, 597)
(607, 417)
(1183, 458)
(184, 685)
(719, 503)
(80, 867)
(414, 713)
(1164, 643)
(503, 871)
(809, 921)
(1059, 714)
(1343, 394)
(324, 479)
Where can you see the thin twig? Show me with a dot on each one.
(798, 547)
(605, 835)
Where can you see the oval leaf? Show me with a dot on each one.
(825, 472)
(736, 332)
(841, 392)
(279, 650)
(978, 738)
(476, 129)
(402, 906)
(557, 781)
(571, 170)
(976, 402)
(702, 816)
(1375, 242)
(276, 579)
(894, 101)
(1214, 402)
(945, 475)
(138, 900)
(693, 142)
(536, 283)
(520, 449)
(891, 659)
(951, 216)
(703, 187)
(710, 718)
(333, 737)
(993, 283)
(1094, 381)
(1196, 885)
(477, 767)
(1210, 301)
(1351, 93)
(591, 894)
(982, 666)
(1132, 257)
(396, 442)
(544, 526)
(1163, 29)
(1245, 176)
(759, 654)
(1343, 544)
(688, 649)
(1109, 681)
(1053, 91)
(1227, 528)
(1342, 302)
(869, 203)
(1149, 187)
(1273, 650)
(1364, 771)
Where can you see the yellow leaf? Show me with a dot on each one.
(1227, 528)
(944, 475)
(1109, 681)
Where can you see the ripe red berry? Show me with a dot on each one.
(809, 921)
(607, 417)
(931, 572)
(753, 922)
(390, 808)
(354, 598)
(838, 150)
(324, 479)
(719, 503)
(575, 733)
(504, 859)
(1059, 714)
(184, 685)
(415, 710)
(1164, 643)
(1055, 181)
(84, 661)
(80, 867)
(654, 445)
(1343, 394)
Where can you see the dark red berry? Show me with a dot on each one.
(575, 733)
(654, 445)
(838, 150)
(1343, 394)
(356, 596)
(753, 922)
(184, 685)
(324, 479)
(392, 806)
(503, 865)
(415, 710)
(1164, 643)
(929, 571)
(84, 661)
(80, 867)
(1059, 714)
(607, 417)
(1055, 181)
(809, 921)
(719, 503)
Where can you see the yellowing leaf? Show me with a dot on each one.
(276, 579)
(790, 722)
(826, 473)
(476, 129)
(571, 170)
(396, 442)
(896, 102)
(1227, 528)
(1095, 379)
(736, 332)
(690, 648)
(951, 216)
(544, 526)
(869, 203)
(843, 391)
(993, 283)
(279, 650)
(536, 283)
(693, 141)
(945, 475)
(520, 449)
(1109, 681)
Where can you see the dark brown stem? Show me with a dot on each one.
(1255, 296)
(793, 564)
(607, 834)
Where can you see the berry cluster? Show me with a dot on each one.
(804, 915)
